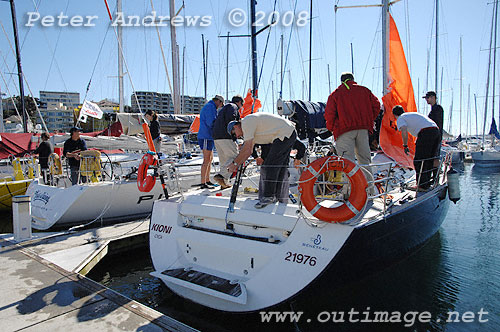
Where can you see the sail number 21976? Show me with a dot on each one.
(300, 258)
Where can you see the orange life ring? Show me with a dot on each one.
(146, 182)
(349, 209)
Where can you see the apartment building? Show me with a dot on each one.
(162, 103)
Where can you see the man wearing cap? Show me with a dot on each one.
(227, 149)
(428, 138)
(436, 114)
(207, 117)
(72, 147)
(350, 113)
(265, 128)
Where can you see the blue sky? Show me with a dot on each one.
(76, 50)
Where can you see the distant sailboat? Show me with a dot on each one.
(489, 156)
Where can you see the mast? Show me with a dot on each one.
(272, 95)
(494, 63)
(281, 72)
(352, 60)
(329, 82)
(120, 61)
(2, 127)
(204, 64)
(475, 106)
(468, 127)
(19, 67)
(385, 46)
(227, 66)
(493, 20)
(437, 43)
(254, 48)
(175, 61)
(310, 45)
(183, 98)
(460, 127)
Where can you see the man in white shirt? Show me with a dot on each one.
(265, 128)
(428, 139)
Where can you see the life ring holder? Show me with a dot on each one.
(146, 182)
(349, 209)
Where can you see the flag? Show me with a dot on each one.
(91, 109)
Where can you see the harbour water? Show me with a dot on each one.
(455, 278)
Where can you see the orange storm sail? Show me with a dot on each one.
(249, 106)
(400, 93)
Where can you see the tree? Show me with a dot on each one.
(29, 104)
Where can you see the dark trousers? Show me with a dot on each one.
(75, 170)
(275, 167)
(426, 147)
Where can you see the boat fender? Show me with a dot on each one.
(146, 182)
(357, 198)
(453, 185)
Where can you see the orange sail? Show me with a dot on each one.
(400, 93)
(195, 125)
(248, 104)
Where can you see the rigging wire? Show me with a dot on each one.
(288, 48)
(162, 54)
(25, 80)
(265, 48)
(8, 91)
(55, 48)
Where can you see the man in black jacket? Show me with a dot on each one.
(436, 114)
(227, 149)
(72, 147)
(44, 150)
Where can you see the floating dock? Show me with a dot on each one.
(45, 288)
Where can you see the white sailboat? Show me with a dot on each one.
(489, 156)
(224, 254)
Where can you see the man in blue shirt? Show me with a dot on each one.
(72, 147)
(207, 117)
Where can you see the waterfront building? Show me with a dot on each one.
(162, 103)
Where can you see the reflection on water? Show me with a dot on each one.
(457, 271)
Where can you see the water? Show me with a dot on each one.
(457, 271)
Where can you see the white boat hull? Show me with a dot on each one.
(107, 201)
(487, 158)
(244, 272)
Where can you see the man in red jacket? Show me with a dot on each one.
(350, 114)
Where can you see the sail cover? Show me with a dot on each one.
(493, 129)
(400, 93)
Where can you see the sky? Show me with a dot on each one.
(63, 58)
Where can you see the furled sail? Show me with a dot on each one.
(400, 93)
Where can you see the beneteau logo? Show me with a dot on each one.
(161, 228)
(41, 196)
(315, 243)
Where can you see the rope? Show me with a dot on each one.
(265, 48)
